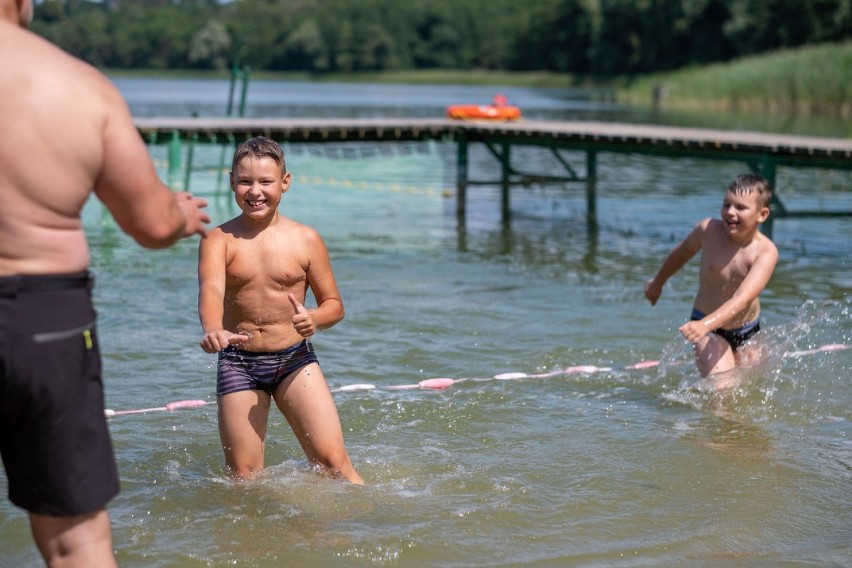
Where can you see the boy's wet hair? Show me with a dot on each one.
(746, 183)
(259, 147)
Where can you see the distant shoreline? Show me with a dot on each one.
(412, 77)
(813, 80)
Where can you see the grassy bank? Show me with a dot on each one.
(811, 80)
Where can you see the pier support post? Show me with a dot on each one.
(174, 160)
(189, 156)
(776, 209)
(591, 191)
(461, 178)
(505, 186)
(223, 165)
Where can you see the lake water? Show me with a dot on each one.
(608, 467)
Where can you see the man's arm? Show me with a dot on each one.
(128, 185)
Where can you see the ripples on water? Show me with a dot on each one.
(617, 467)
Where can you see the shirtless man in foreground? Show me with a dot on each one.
(67, 133)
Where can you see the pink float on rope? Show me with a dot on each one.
(185, 404)
(170, 406)
(643, 365)
(830, 347)
(438, 383)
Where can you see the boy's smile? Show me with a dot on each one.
(256, 203)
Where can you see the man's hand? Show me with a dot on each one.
(195, 218)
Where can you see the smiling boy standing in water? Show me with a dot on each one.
(737, 262)
(253, 273)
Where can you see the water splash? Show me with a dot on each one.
(798, 370)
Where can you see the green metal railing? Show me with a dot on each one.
(239, 74)
(500, 148)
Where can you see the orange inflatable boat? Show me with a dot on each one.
(499, 109)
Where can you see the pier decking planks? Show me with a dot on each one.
(762, 152)
(600, 136)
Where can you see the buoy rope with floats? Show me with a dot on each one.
(443, 383)
(170, 406)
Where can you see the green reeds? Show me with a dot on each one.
(814, 79)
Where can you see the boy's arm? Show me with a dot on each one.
(211, 295)
(679, 256)
(321, 281)
(755, 281)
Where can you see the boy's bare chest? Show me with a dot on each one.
(272, 262)
(726, 263)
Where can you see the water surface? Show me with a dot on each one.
(611, 467)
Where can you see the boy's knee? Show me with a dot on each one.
(334, 462)
(242, 471)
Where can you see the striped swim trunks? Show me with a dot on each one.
(240, 370)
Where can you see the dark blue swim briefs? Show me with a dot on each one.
(240, 370)
(735, 337)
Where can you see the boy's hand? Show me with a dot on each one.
(693, 331)
(653, 291)
(303, 321)
(215, 341)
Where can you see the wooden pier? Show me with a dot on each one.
(761, 152)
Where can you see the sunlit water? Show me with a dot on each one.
(610, 467)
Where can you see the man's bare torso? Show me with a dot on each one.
(50, 154)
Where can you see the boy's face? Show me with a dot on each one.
(742, 213)
(258, 184)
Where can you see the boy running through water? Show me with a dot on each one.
(737, 262)
(254, 272)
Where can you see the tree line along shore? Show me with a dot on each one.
(814, 80)
(771, 56)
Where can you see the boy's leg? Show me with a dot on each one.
(242, 429)
(750, 354)
(307, 404)
(84, 540)
(714, 355)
